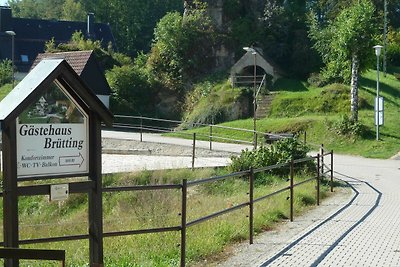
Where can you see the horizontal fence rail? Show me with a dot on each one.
(249, 175)
(144, 125)
(33, 254)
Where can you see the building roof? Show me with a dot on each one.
(76, 59)
(39, 79)
(84, 63)
(32, 34)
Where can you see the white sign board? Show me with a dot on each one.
(59, 192)
(379, 111)
(52, 149)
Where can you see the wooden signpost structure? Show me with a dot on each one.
(51, 128)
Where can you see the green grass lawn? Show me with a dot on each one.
(151, 209)
(298, 107)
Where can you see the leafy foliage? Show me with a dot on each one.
(347, 127)
(6, 67)
(393, 48)
(215, 102)
(282, 151)
(132, 22)
(132, 90)
(350, 33)
(77, 43)
(180, 51)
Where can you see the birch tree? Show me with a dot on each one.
(345, 46)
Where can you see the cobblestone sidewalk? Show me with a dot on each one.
(361, 231)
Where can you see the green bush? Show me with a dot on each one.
(345, 126)
(282, 151)
(5, 71)
(315, 79)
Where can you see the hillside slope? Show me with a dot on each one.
(323, 114)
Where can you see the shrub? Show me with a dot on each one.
(347, 127)
(5, 71)
(316, 80)
(282, 151)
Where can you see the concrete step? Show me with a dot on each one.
(264, 105)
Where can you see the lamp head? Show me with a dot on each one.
(378, 50)
(249, 49)
(12, 33)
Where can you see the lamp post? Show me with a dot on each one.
(377, 108)
(12, 34)
(254, 53)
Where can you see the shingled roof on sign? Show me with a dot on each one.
(76, 59)
(39, 79)
(85, 65)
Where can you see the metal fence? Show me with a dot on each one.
(143, 125)
(320, 171)
(250, 174)
(33, 254)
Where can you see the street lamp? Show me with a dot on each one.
(377, 108)
(12, 34)
(254, 53)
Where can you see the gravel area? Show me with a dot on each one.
(134, 147)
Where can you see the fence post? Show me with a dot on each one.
(251, 205)
(194, 150)
(183, 223)
(322, 159)
(141, 129)
(211, 137)
(255, 140)
(318, 177)
(305, 137)
(331, 170)
(291, 189)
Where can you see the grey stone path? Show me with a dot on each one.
(362, 231)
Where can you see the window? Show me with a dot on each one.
(24, 58)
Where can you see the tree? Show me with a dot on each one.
(38, 9)
(132, 22)
(345, 46)
(132, 90)
(182, 48)
(73, 10)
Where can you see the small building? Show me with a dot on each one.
(86, 66)
(253, 65)
(32, 34)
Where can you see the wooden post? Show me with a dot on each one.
(194, 150)
(10, 194)
(291, 190)
(305, 137)
(318, 177)
(322, 159)
(141, 129)
(183, 223)
(95, 193)
(211, 137)
(331, 170)
(251, 205)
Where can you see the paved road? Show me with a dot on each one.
(126, 163)
(361, 231)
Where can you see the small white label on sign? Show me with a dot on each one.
(59, 192)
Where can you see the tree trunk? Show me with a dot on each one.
(355, 64)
